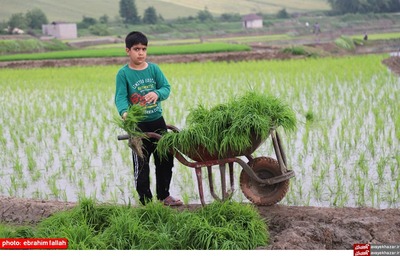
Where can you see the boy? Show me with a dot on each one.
(141, 82)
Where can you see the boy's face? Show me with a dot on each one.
(137, 54)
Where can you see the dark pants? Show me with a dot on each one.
(142, 169)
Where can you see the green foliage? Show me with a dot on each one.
(282, 14)
(119, 52)
(345, 42)
(230, 126)
(150, 16)
(104, 19)
(128, 11)
(295, 50)
(18, 20)
(135, 114)
(230, 17)
(32, 19)
(30, 45)
(36, 18)
(205, 15)
(99, 30)
(16, 232)
(218, 226)
(55, 45)
(310, 116)
(86, 22)
(15, 46)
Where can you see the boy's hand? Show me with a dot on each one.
(124, 115)
(151, 97)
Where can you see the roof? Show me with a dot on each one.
(251, 16)
(61, 22)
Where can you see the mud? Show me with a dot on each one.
(290, 227)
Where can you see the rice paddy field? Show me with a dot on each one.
(58, 137)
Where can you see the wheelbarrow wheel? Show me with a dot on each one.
(259, 193)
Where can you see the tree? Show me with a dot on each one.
(35, 18)
(230, 17)
(128, 11)
(150, 16)
(205, 15)
(104, 19)
(283, 14)
(17, 20)
(99, 30)
(87, 22)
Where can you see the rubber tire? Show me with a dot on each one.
(262, 194)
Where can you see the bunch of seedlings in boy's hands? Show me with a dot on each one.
(135, 114)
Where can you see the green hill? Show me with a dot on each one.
(74, 10)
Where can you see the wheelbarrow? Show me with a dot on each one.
(263, 180)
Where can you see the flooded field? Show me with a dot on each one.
(58, 139)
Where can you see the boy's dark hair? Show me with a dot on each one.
(135, 37)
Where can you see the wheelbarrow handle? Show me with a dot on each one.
(123, 137)
(149, 134)
(173, 128)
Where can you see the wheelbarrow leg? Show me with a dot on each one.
(200, 184)
(280, 154)
(231, 177)
(223, 181)
(211, 183)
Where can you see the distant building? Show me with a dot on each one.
(14, 31)
(60, 30)
(252, 21)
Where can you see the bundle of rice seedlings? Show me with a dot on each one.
(229, 128)
(345, 42)
(135, 114)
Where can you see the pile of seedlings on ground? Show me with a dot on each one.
(217, 226)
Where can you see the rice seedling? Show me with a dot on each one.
(17, 167)
(52, 183)
(36, 175)
(361, 186)
(310, 116)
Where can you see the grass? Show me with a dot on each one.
(380, 36)
(218, 226)
(120, 52)
(30, 45)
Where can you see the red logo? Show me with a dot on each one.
(362, 249)
(136, 98)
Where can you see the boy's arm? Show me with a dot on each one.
(163, 88)
(121, 95)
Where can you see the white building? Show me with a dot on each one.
(252, 21)
(60, 30)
